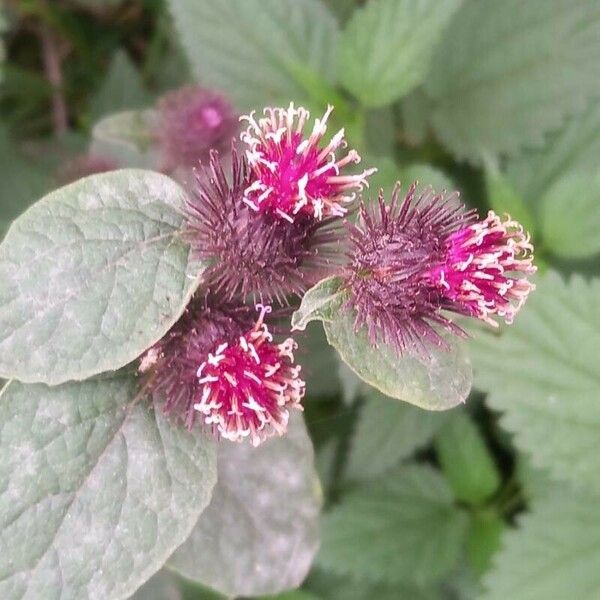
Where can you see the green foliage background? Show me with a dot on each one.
(492, 500)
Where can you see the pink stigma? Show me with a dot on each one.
(481, 271)
(294, 174)
(247, 387)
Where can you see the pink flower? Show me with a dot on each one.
(294, 174)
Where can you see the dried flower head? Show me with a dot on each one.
(191, 121)
(254, 253)
(413, 259)
(221, 365)
(294, 174)
(83, 165)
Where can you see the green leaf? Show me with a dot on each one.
(127, 138)
(554, 554)
(386, 48)
(96, 491)
(466, 460)
(386, 433)
(318, 303)
(542, 374)
(402, 529)
(575, 147)
(484, 539)
(92, 275)
(264, 517)
(570, 215)
(122, 89)
(510, 72)
(438, 382)
(162, 586)
(249, 48)
(319, 363)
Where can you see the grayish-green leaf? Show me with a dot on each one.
(401, 529)
(92, 275)
(128, 138)
(510, 72)
(386, 433)
(437, 382)
(319, 362)
(570, 215)
(543, 374)
(96, 492)
(250, 48)
(260, 533)
(554, 553)
(466, 460)
(386, 48)
(122, 89)
(162, 586)
(318, 303)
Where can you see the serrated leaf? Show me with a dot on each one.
(260, 533)
(128, 138)
(554, 554)
(248, 48)
(542, 374)
(386, 433)
(402, 529)
(575, 147)
(437, 382)
(466, 460)
(122, 89)
(92, 275)
(510, 72)
(96, 492)
(318, 303)
(570, 216)
(386, 47)
(484, 539)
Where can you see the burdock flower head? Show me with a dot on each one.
(254, 253)
(414, 259)
(294, 174)
(222, 367)
(191, 121)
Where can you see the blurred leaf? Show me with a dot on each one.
(162, 586)
(260, 533)
(401, 529)
(128, 139)
(570, 215)
(380, 131)
(415, 109)
(386, 47)
(510, 72)
(535, 483)
(295, 595)
(386, 433)
(575, 147)
(97, 492)
(319, 362)
(466, 460)
(554, 554)
(503, 198)
(23, 182)
(92, 275)
(123, 89)
(542, 373)
(248, 48)
(484, 540)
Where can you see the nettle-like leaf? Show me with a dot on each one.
(252, 48)
(387, 432)
(437, 382)
(542, 373)
(570, 216)
(128, 138)
(554, 554)
(466, 460)
(386, 48)
(260, 533)
(510, 72)
(92, 275)
(575, 147)
(401, 529)
(96, 491)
